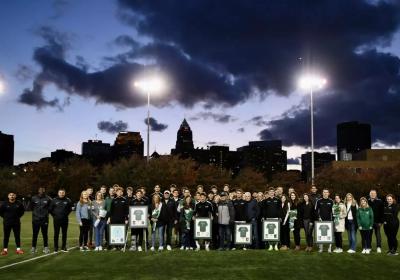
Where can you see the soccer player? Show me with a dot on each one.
(157, 191)
(323, 209)
(391, 223)
(377, 206)
(40, 219)
(365, 221)
(60, 208)
(119, 209)
(11, 211)
(203, 209)
(240, 206)
(137, 233)
(271, 209)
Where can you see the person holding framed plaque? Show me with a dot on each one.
(271, 209)
(203, 209)
(119, 210)
(142, 218)
(323, 209)
(186, 223)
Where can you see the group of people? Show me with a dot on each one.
(172, 213)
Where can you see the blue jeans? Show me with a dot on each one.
(255, 233)
(99, 232)
(160, 231)
(352, 234)
(224, 236)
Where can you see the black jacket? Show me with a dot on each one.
(119, 211)
(171, 210)
(271, 208)
(60, 208)
(203, 210)
(162, 219)
(314, 197)
(40, 208)
(323, 208)
(377, 206)
(252, 210)
(12, 212)
(353, 210)
(240, 210)
(391, 215)
(306, 212)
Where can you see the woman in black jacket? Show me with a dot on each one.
(294, 223)
(159, 218)
(307, 216)
(391, 223)
(285, 231)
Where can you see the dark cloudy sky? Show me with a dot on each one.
(231, 68)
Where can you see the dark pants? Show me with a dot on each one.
(391, 233)
(187, 238)
(296, 236)
(366, 238)
(215, 236)
(16, 228)
(168, 232)
(84, 232)
(106, 235)
(338, 240)
(285, 235)
(63, 225)
(308, 231)
(138, 233)
(90, 234)
(377, 230)
(36, 227)
(254, 230)
(225, 236)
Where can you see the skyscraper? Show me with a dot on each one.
(128, 144)
(96, 151)
(184, 141)
(6, 149)
(352, 137)
(320, 160)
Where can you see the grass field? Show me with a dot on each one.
(251, 264)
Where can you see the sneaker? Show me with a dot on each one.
(64, 249)
(33, 250)
(244, 248)
(55, 250)
(187, 248)
(161, 248)
(329, 249)
(233, 249)
(46, 250)
(320, 251)
(379, 250)
(270, 248)
(86, 248)
(4, 253)
(81, 249)
(363, 251)
(152, 249)
(368, 251)
(197, 249)
(351, 251)
(19, 252)
(276, 247)
(139, 248)
(132, 248)
(169, 248)
(207, 248)
(100, 248)
(183, 248)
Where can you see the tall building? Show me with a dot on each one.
(128, 144)
(6, 149)
(320, 159)
(352, 137)
(264, 156)
(96, 151)
(60, 156)
(184, 141)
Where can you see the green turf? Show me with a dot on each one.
(251, 264)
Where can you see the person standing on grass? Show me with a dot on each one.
(314, 195)
(60, 208)
(40, 219)
(172, 217)
(252, 213)
(323, 209)
(158, 218)
(271, 209)
(306, 219)
(294, 221)
(137, 233)
(90, 191)
(351, 222)
(226, 217)
(365, 221)
(11, 211)
(108, 201)
(99, 214)
(119, 209)
(377, 206)
(186, 223)
(240, 206)
(177, 231)
(83, 218)
(203, 209)
(285, 231)
(391, 223)
(339, 216)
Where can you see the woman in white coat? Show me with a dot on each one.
(339, 216)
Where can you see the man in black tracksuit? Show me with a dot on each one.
(240, 211)
(378, 207)
(203, 209)
(137, 233)
(172, 216)
(119, 210)
(11, 211)
(271, 209)
(323, 208)
(60, 208)
(40, 219)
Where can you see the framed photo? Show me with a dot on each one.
(323, 232)
(243, 234)
(202, 228)
(117, 234)
(271, 230)
(138, 216)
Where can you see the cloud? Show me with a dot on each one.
(155, 125)
(110, 127)
(258, 121)
(24, 73)
(293, 161)
(221, 118)
(210, 143)
(241, 129)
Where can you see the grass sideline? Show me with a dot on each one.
(251, 264)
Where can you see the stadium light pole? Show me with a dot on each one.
(149, 85)
(312, 83)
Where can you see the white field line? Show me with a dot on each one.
(32, 259)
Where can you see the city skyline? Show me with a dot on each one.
(46, 106)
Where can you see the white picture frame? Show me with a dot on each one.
(324, 232)
(271, 230)
(202, 228)
(117, 234)
(138, 216)
(243, 234)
